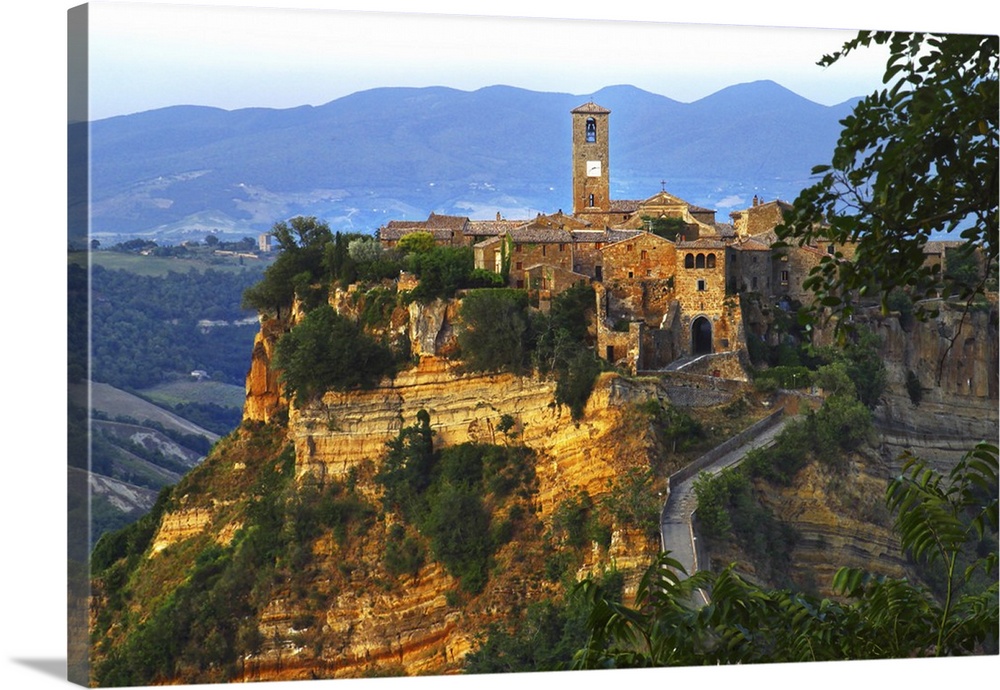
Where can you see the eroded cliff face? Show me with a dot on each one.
(954, 358)
(352, 618)
(336, 433)
(347, 616)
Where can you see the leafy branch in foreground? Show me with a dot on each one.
(915, 160)
(880, 618)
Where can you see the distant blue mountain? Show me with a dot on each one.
(391, 153)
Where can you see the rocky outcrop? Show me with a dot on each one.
(954, 359)
(264, 391)
(343, 429)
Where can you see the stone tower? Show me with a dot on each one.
(590, 160)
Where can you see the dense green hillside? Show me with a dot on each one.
(155, 319)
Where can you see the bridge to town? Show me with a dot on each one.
(677, 533)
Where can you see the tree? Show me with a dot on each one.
(327, 351)
(364, 249)
(302, 242)
(496, 333)
(915, 159)
(419, 242)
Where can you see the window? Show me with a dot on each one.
(519, 265)
(628, 247)
(753, 283)
(701, 285)
(643, 254)
(562, 247)
(784, 277)
(649, 272)
(710, 261)
(699, 261)
(517, 247)
(630, 274)
(689, 261)
(543, 250)
(591, 130)
(591, 200)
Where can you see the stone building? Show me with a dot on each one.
(761, 217)
(659, 298)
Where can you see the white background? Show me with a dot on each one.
(32, 361)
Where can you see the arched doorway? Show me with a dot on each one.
(701, 336)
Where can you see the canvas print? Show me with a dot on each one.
(423, 345)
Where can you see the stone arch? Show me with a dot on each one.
(699, 261)
(591, 135)
(689, 261)
(710, 261)
(701, 336)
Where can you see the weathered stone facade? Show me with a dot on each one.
(658, 299)
(591, 171)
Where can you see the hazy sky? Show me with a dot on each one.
(145, 55)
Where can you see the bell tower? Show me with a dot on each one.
(590, 159)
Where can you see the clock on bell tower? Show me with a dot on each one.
(590, 159)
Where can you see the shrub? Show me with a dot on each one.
(327, 351)
(496, 333)
(913, 387)
(441, 270)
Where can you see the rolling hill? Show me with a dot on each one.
(387, 153)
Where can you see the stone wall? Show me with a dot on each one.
(644, 257)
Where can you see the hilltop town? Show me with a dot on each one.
(668, 274)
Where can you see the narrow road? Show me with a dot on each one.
(675, 524)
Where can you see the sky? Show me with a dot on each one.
(34, 55)
(145, 56)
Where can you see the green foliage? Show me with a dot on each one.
(404, 553)
(563, 347)
(543, 638)
(913, 387)
(675, 425)
(457, 525)
(576, 523)
(862, 361)
(443, 493)
(406, 471)
(197, 626)
(632, 502)
(144, 329)
(575, 380)
(130, 543)
(496, 331)
(834, 379)
(919, 157)
(419, 242)
(442, 271)
(300, 265)
(327, 351)
(667, 228)
(784, 376)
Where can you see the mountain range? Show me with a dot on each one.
(400, 153)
